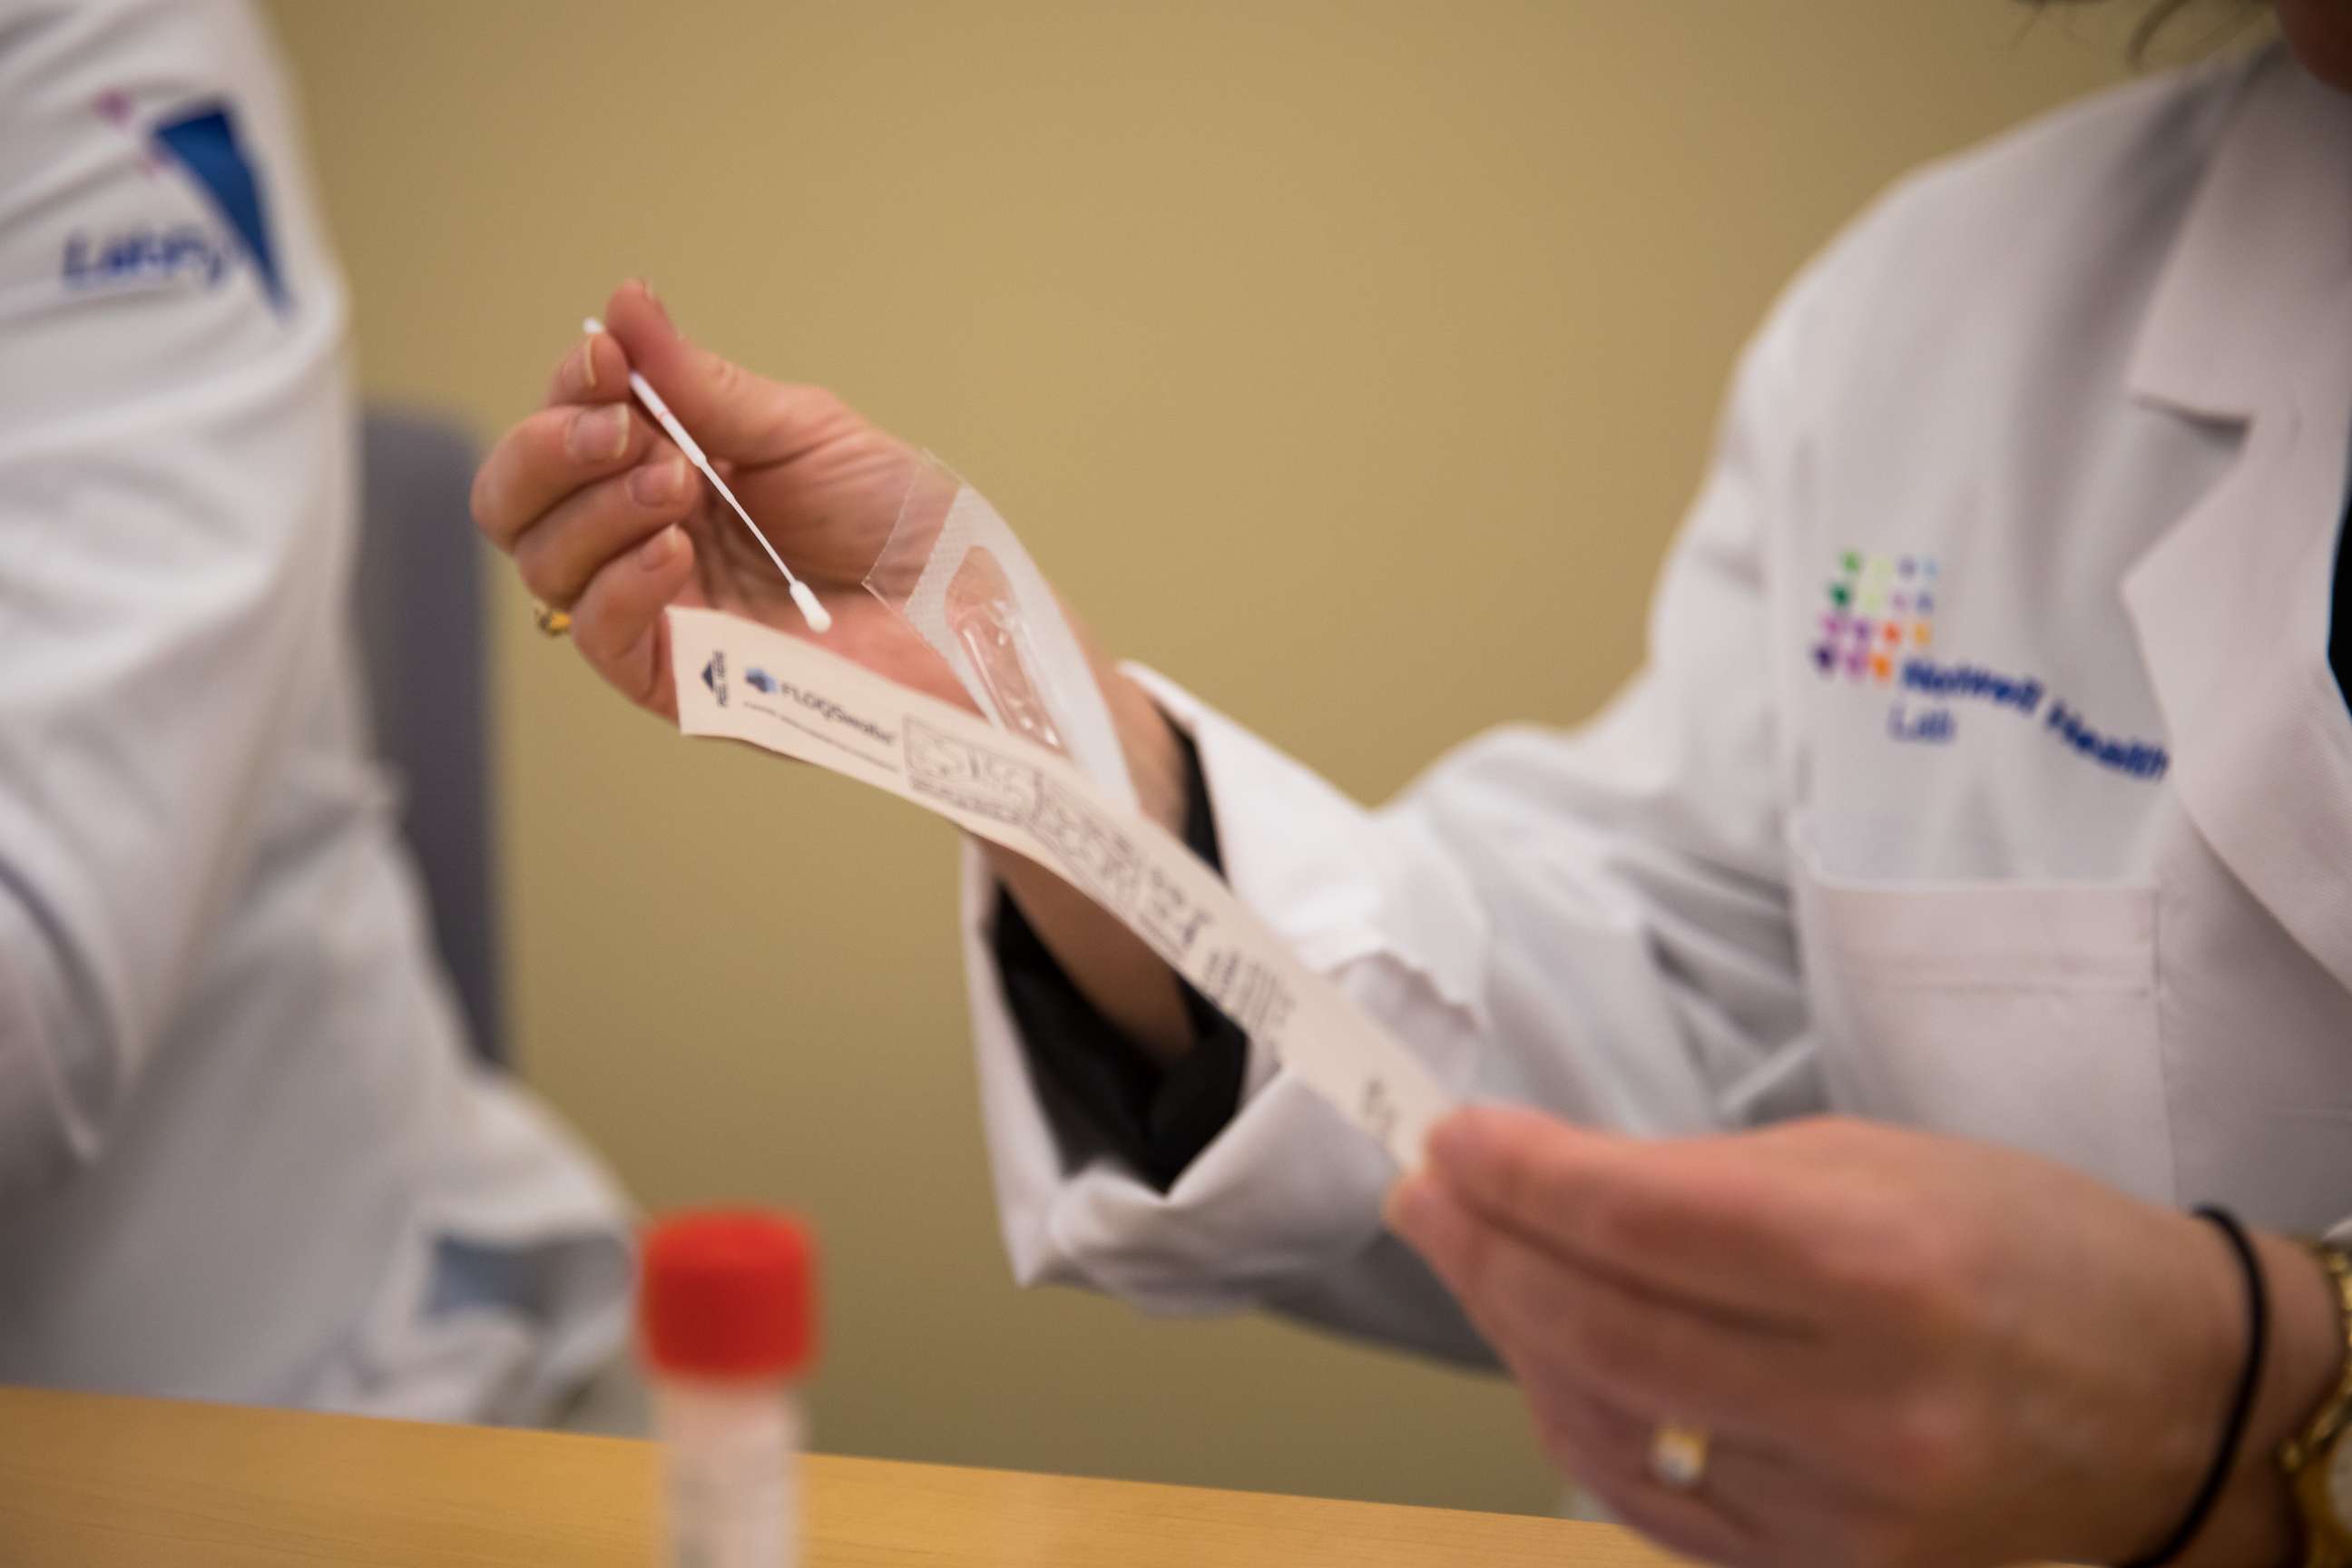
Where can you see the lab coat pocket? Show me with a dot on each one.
(2019, 1013)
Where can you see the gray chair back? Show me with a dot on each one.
(419, 602)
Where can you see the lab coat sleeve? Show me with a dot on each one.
(173, 460)
(1593, 923)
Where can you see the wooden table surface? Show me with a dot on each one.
(87, 1481)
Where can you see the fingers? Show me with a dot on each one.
(549, 456)
(558, 554)
(1729, 1517)
(618, 623)
(1748, 1507)
(1607, 1451)
(732, 413)
(1561, 1326)
(1695, 1217)
(596, 371)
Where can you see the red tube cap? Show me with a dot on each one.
(729, 1294)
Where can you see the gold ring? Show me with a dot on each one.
(1678, 1455)
(549, 620)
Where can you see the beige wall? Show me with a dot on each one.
(1263, 322)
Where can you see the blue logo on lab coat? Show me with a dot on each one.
(203, 142)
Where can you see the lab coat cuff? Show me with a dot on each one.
(493, 1187)
(1287, 1190)
(1246, 1219)
(1337, 882)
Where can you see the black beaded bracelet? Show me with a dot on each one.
(2242, 1402)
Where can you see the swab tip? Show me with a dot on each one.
(813, 610)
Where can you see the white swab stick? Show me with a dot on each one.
(812, 608)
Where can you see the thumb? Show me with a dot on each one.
(730, 412)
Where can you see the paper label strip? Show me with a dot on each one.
(742, 682)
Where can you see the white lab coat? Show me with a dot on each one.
(2073, 873)
(244, 1151)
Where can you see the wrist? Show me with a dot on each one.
(1128, 983)
(2255, 1520)
(2163, 1437)
(1155, 763)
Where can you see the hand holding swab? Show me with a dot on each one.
(812, 608)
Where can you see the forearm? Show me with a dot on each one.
(1112, 967)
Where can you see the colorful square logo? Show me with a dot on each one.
(1880, 608)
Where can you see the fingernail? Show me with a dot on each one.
(1452, 1140)
(653, 299)
(599, 435)
(657, 484)
(1445, 1137)
(1408, 1204)
(587, 375)
(656, 552)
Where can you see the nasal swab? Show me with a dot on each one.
(812, 608)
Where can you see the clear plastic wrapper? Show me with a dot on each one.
(953, 571)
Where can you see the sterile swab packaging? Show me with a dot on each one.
(1038, 770)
